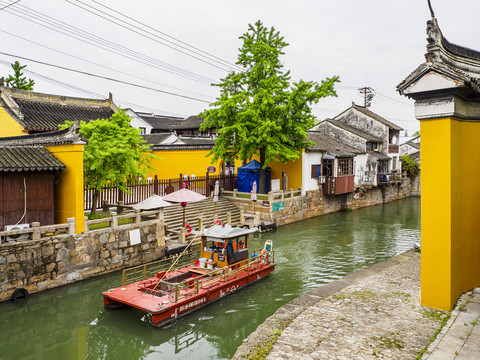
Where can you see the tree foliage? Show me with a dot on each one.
(409, 165)
(115, 153)
(17, 80)
(258, 111)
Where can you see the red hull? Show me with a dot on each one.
(164, 310)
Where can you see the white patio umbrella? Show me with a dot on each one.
(153, 202)
(253, 194)
(184, 196)
(215, 198)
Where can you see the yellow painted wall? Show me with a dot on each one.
(173, 163)
(450, 220)
(69, 190)
(8, 126)
(293, 170)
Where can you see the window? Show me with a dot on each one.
(327, 167)
(371, 146)
(315, 171)
(345, 167)
(143, 130)
(383, 166)
(394, 163)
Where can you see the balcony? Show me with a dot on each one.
(338, 185)
(392, 149)
(391, 178)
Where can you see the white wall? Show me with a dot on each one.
(309, 159)
(137, 122)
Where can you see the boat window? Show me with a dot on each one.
(213, 246)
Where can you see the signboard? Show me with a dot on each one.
(278, 206)
(356, 196)
(211, 169)
(135, 237)
(221, 257)
(275, 185)
(265, 203)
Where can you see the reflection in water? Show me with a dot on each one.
(71, 323)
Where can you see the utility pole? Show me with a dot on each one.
(367, 93)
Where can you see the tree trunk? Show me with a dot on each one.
(94, 202)
(261, 187)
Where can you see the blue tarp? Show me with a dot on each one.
(249, 173)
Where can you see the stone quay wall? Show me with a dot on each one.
(314, 203)
(37, 265)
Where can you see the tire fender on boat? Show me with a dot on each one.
(19, 293)
(218, 221)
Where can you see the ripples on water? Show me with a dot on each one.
(70, 322)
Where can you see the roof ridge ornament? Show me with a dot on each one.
(431, 9)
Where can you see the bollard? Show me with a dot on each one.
(71, 225)
(36, 231)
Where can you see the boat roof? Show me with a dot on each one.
(225, 231)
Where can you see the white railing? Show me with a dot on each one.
(136, 215)
(36, 232)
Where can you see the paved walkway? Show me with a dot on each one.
(374, 313)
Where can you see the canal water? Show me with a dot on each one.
(71, 323)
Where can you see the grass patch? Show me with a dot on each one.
(263, 350)
(364, 294)
(389, 342)
(432, 339)
(338, 297)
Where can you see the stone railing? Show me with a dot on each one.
(268, 207)
(137, 216)
(37, 232)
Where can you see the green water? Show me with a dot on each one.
(71, 323)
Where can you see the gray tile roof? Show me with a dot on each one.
(377, 117)
(197, 140)
(60, 137)
(190, 123)
(161, 123)
(45, 112)
(33, 158)
(379, 156)
(157, 138)
(355, 131)
(330, 145)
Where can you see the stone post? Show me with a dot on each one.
(105, 206)
(181, 238)
(71, 225)
(229, 218)
(36, 230)
(138, 218)
(120, 207)
(235, 193)
(160, 232)
(242, 218)
(114, 221)
(87, 229)
(200, 223)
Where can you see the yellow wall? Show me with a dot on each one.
(450, 220)
(170, 164)
(69, 190)
(293, 170)
(8, 126)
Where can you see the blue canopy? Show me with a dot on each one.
(249, 173)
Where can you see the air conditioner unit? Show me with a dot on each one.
(17, 237)
(321, 179)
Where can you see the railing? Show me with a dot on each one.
(136, 216)
(389, 178)
(36, 232)
(140, 191)
(336, 185)
(392, 149)
(149, 270)
(194, 285)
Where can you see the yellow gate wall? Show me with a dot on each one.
(8, 126)
(450, 218)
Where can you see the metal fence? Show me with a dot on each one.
(140, 191)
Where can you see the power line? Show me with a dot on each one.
(136, 30)
(103, 77)
(89, 38)
(97, 64)
(6, 6)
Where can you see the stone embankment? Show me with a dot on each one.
(373, 313)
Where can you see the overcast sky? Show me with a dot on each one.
(374, 43)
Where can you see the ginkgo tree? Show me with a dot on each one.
(259, 112)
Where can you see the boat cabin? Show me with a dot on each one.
(224, 245)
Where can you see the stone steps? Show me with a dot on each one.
(203, 209)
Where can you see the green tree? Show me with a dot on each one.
(406, 133)
(409, 165)
(258, 112)
(17, 80)
(115, 153)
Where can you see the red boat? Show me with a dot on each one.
(170, 294)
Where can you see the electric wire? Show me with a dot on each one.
(6, 6)
(232, 65)
(104, 77)
(91, 39)
(137, 31)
